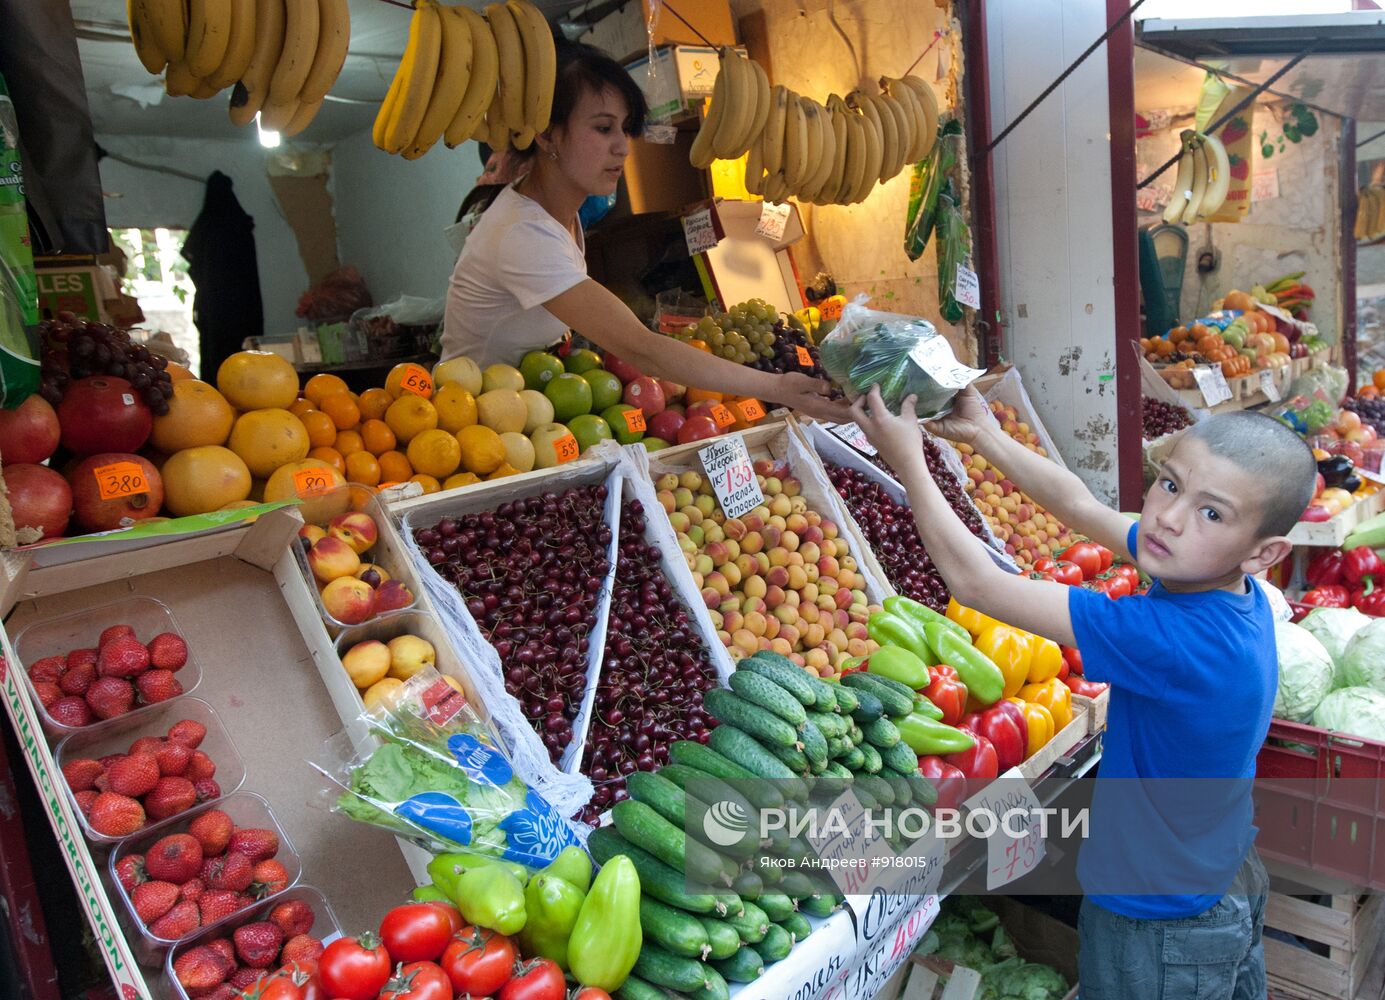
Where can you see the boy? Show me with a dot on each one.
(1175, 892)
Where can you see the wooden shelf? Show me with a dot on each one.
(1334, 532)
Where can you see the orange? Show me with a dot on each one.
(301, 406)
(342, 408)
(456, 407)
(435, 453)
(482, 449)
(257, 380)
(461, 479)
(377, 436)
(331, 456)
(319, 387)
(361, 467)
(268, 438)
(505, 469)
(348, 441)
(694, 395)
(394, 381)
(429, 484)
(409, 416)
(177, 372)
(321, 431)
(197, 415)
(201, 479)
(394, 467)
(1378, 379)
(283, 485)
(374, 403)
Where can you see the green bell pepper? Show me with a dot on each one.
(926, 736)
(551, 906)
(573, 866)
(976, 670)
(491, 897)
(447, 868)
(892, 631)
(607, 939)
(921, 615)
(898, 665)
(922, 706)
(430, 894)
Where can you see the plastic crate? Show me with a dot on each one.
(1320, 802)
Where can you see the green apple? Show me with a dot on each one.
(549, 447)
(570, 395)
(606, 388)
(588, 429)
(621, 425)
(538, 368)
(582, 360)
(654, 444)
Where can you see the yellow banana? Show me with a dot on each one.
(776, 189)
(296, 59)
(150, 55)
(1183, 183)
(702, 153)
(1194, 206)
(178, 80)
(875, 151)
(729, 141)
(833, 187)
(419, 68)
(522, 138)
(1218, 176)
(333, 39)
(204, 91)
(512, 68)
(774, 129)
(755, 167)
(167, 21)
(209, 29)
(240, 46)
(480, 88)
(382, 116)
(762, 100)
(813, 151)
(928, 104)
(497, 133)
(827, 155)
(854, 167)
(795, 144)
(889, 136)
(276, 117)
(454, 72)
(253, 90)
(540, 64)
(302, 118)
(905, 128)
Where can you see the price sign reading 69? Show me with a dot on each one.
(728, 468)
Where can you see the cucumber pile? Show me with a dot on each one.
(783, 737)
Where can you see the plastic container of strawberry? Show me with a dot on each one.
(247, 811)
(81, 630)
(115, 737)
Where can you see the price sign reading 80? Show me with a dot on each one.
(120, 479)
(311, 482)
(728, 467)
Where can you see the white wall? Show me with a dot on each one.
(147, 199)
(391, 214)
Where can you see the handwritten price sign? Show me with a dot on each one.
(1016, 846)
(805, 360)
(120, 479)
(722, 416)
(565, 448)
(418, 381)
(634, 420)
(1212, 383)
(311, 482)
(853, 435)
(749, 410)
(728, 467)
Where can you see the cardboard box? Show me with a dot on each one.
(677, 77)
(744, 265)
(659, 178)
(627, 32)
(83, 289)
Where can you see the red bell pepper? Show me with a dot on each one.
(1360, 564)
(1073, 659)
(1068, 573)
(979, 765)
(947, 691)
(950, 782)
(1332, 595)
(1369, 599)
(1325, 568)
(998, 733)
(1086, 688)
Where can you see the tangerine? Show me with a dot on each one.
(429, 484)
(301, 406)
(257, 380)
(331, 456)
(348, 442)
(374, 403)
(377, 436)
(435, 453)
(461, 479)
(197, 415)
(342, 408)
(319, 387)
(322, 432)
(268, 438)
(361, 467)
(394, 467)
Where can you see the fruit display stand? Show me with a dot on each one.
(1009, 390)
(1333, 532)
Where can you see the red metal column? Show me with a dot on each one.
(1347, 241)
(986, 252)
(19, 891)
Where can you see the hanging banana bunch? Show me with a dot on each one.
(1370, 212)
(1203, 179)
(281, 56)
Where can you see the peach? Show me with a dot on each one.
(842, 620)
(808, 611)
(786, 615)
(732, 574)
(392, 596)
(771, 534)
(796, 522)
(810, 571)
(718, 582)
(704, 564)
(713, 532)
(753, 605)
(754, 521)
(763, 467)
(837, 638)
(690, 481)
(366, 663)
(796, 659)
(711, 597)
(348, 600)
(810, 552)
(797, 578)
(728, 604)
(781, 646)
(791, 486)
(771, 627)
(733, 549)
(332, 558)
(668, 482)
(798, 505)
(828, 606)
(679, 521)
(778, 576)
(762, 563)
(694, 513)
(752, 542)
(749, 568)
(718, 619)
(781, 506)
(849, 562)
(778, 557)
(735, 528)
(772, 488)
(856, 630)
(856, 647)
(774, 596)
(686, 546)
(716, 551)
(725, 637)
(695, 533)
(665, 498)
(789, 540)
(812, 534)
(745, 641)
(410, 654)
(790, 632)
(355, 529)
(706, 504)
(312, 533)
(682, 498)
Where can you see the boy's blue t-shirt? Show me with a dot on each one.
(1193, 679)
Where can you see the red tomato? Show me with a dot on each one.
(478, 961)
(303, 974)
(540, 979)
(1066, 572)
(1049, 577)
(454, 915)
(418, 981)
(416, 932)
(1112, 586)
(1073, 659)
(1045, 564)
(591, 993)
(1106, 557)
(280, 989)
(354, 968)
(1086, 556)
(1130, 573)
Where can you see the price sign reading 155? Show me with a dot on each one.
(732, 476)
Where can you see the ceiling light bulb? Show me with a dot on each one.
(269, 140)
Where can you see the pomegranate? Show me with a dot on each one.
(39, 498)
(29, 433)
(103, 414)
(96, 514)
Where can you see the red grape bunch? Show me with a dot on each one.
(77, 349)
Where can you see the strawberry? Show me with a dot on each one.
(257, 944)
(146, 744)
(168, 651)
(178, 922)
(152, 900)
(170, 797)
(200, 766)
(175, 858)
(269, 877)
(301, 948)
(192, 890)
(293, 916)
(232, 871)
(213, 830)
(123, 657)
(85, 800)
(49, 669)
(223, 992)
(173, 759)
(81, 656)
(111, 758)
(81, 773)
(201, 968)
(223, 947)
(188, 732)
(47, 693)
(255, 844)
(245, 978)
(206, 789)
(110, 696)
(135, 775)
(115, 815)
(78, 679)
(216, 904)
(115, 632)
(70, 711)
(158, 685)
(130, 871)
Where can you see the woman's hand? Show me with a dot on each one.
(969, 418)
(809, 395)
(896, 437)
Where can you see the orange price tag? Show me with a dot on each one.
(120, 479)
(722, 415)
(831, 307)
(311, 482)
(634, 420)
(805, 360)
(750, 410)
(418, 381)
(565, 448)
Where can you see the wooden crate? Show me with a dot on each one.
(1349, 924)
(1096, 709)
(1333, 532)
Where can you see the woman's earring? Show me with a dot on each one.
(553, 154)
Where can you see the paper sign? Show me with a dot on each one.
(722, 416)
(934, 355)
(773, 219)
(660, 135)
(311, 482)
(417, 380)
(120, 479)
(1016, 846)
(967, 289)
(1267, 384)
(634, 420)
(855, 859)
(1276, 312)
(565, 448)
(1213, 385)
(832, 306)
(749, 410)
(733, 477)
(854, 436)
(700, 231)
(805, 360)
(1265, 184)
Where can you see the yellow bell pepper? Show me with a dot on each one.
(1046, 662)
(1055, 696)
(1040, 722)
(973, 621)
(1011, 650)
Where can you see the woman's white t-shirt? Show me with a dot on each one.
(517, 258)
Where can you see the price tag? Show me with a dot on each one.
(773, 219)
(967, 288)
(418, 381)
(660, 135)
(565, 448)
(634, 420)
(805, 360)
(1016, 846)
(1267, 384)
(722, 416)
(1213, 385)
(934, 355)
(855, 437)
(832, 306)
(700, 231)
(749, 410)
(1265, 184)
(733, 477)
(311, 482)
(120, 479)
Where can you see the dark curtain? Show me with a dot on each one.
(220, 251)
(38, 57)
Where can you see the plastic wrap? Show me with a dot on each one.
(1328, 380)
(1009, 389)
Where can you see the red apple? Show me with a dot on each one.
(621, 369)
(1319, 485)
(95, 514)
(103, 414)
(29, 433)
(39, 498)
(698, 428)
(666, 424)
(645, 394)
(672, 390)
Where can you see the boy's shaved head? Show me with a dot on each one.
(1271, 452)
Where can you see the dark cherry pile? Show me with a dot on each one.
(653, 674)
(889, 528)
(1370, 409)
(952, 490)
(787, 340)
(1162, 418)
(531, 572)
(77, 349)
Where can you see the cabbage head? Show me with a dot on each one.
(1358, 711)
(1363, 664)
(1334, 627)
(1305, 672)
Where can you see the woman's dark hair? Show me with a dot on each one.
(585, 69)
